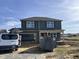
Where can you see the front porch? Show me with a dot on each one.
(34, 35)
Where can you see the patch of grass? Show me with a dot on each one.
(75, 38)
(66, 49)
(73, 50)
(61, 50)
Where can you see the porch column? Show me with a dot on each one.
(63, 35)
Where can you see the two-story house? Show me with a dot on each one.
(32, 28)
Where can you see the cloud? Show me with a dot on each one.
(71, 9)
(13, 23)
(69, 12)
(10, 22)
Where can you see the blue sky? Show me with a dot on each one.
(11, 11)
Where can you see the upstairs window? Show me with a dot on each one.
(50, 24)
(30, 24)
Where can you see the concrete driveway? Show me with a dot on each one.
(15, 55)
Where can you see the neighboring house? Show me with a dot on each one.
(3, 31)
(34, 27)
(15, 30)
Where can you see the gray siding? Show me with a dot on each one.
(57, 24)
(36, 25)
(41, 25)
(23, 24)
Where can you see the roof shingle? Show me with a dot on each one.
(40, 18)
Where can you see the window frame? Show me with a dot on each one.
(50, 24)
(30, 24)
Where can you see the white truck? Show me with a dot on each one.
(10, 41)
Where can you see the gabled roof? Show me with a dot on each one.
(40, 18)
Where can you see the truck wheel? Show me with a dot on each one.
(11, 50)
(16, 49)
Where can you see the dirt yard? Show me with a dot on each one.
(67, 49)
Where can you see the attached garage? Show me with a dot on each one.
(27, 37)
